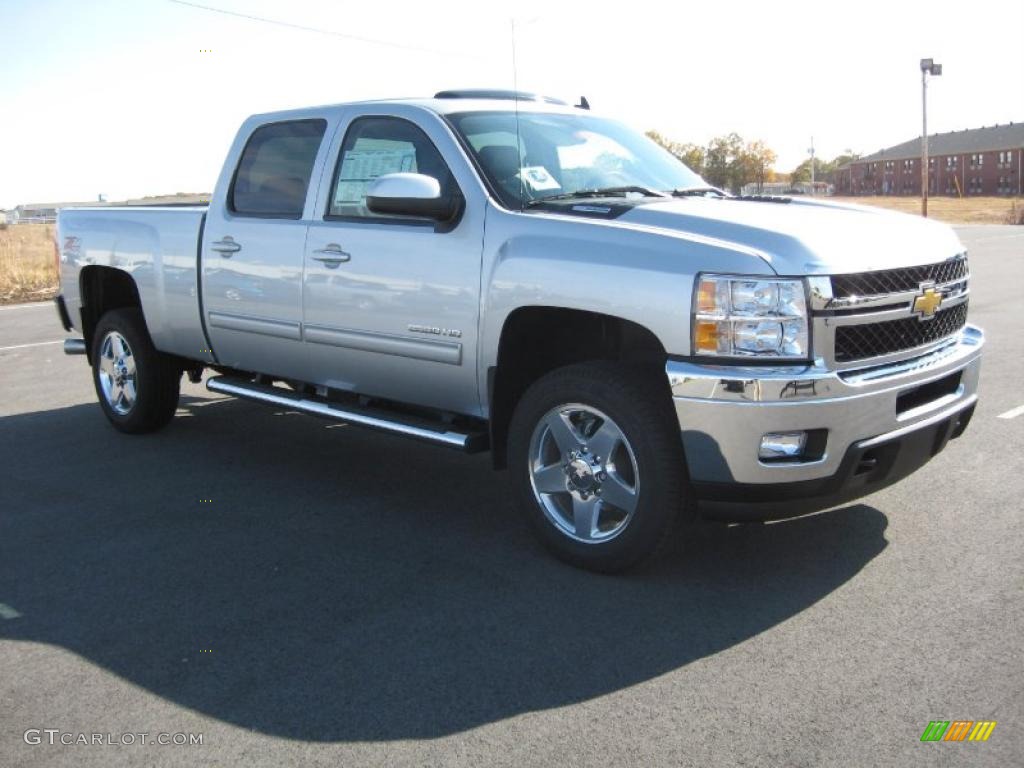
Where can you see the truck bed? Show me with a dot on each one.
(159, 247)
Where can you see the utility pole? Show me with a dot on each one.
(928, 67)
(811, 150)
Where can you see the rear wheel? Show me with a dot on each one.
(137, 386)
(597, 464)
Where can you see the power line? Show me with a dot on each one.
(319, 31)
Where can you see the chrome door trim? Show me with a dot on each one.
(279, 329)
(448, 352)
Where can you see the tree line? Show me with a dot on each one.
(729, 162)
(824, 170)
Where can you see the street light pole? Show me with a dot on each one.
(928, 67)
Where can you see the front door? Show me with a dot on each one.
(391, 303)
(253, 252)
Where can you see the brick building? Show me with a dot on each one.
(978, 161)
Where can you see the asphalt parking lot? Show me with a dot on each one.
(309, 595)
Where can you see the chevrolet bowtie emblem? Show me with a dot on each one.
(927, 303)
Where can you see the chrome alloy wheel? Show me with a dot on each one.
(116, 370)
(584, 473)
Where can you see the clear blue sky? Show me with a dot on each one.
(118, 97)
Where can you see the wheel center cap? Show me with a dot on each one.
(581, 475)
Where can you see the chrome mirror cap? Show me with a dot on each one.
(410, 194)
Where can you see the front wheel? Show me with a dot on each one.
(137, 385)
(597, 464)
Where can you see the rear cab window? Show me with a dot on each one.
(273, 173)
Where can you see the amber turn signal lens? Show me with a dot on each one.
(706, 296)
(706, 336)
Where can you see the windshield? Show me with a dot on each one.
(563, 154)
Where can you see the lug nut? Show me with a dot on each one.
(602, 476)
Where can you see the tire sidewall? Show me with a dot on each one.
(149, 409)
(660, 497)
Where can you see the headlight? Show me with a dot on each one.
(750, 317)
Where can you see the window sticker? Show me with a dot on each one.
(537, 178)
(361, 166)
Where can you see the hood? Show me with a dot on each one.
(807, 237)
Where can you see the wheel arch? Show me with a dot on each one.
(102, 289)
(535, 340)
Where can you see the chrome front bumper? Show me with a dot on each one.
(724, 411)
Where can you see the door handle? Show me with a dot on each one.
(226, 247)
(331, 255)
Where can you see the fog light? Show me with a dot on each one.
(782, 445)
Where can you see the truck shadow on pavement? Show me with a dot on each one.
(357, 587)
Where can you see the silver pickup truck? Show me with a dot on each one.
(489, 270)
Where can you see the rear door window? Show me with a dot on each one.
(273, 174)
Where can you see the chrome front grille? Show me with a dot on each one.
(860, 342)
(898, 280)
(869, 318)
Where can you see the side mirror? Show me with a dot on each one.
(409, 194)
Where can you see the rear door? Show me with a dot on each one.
(253, 247)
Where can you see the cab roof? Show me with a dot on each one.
(450, 102)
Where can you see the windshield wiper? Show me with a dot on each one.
(697, 192)
(581, 194)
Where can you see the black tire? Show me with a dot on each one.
(639, 405)
(157, 378)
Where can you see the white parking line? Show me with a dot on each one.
(35, 344)
(211, 401)
(6, 612)
(32, 305)
(995, 237)
(1012, 413)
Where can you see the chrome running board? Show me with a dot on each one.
(374, 418)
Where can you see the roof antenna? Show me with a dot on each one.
(519, 141)
(584, 104)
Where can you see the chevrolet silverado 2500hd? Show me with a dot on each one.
(484, 270)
